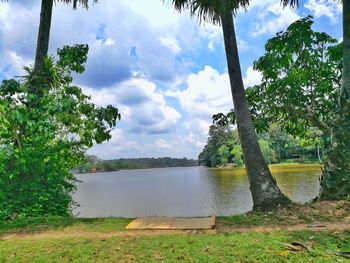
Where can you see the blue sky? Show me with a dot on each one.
(165, 73)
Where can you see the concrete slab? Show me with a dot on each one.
(168, 223)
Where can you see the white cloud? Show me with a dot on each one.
(271, 17)
(211, 32)
(157, 13)
(252, 78)
(162, 144)
(143, 109)
(171, 43)
(148, 48)
(119, 146)
(195, 140)
(329, 9)
(3, 11)
(109, 42)
(207, 93)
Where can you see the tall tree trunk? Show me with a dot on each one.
(346, 47)
(335, 181)
(44, 33)
(265, 192)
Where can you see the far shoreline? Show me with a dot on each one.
(145, 168)
(308, 166)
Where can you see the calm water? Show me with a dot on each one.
(192, 191)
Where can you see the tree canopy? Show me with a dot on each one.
(301, 82)
(40, 145)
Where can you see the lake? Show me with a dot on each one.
(184, 191)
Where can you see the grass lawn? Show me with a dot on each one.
(312, 213)
(244, 247)
(59, 239)
(38, 225)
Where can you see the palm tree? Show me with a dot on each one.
(45, 25)
(265, 192)
(346, 47)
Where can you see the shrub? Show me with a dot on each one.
(46, 125)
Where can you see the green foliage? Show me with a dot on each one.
(223, 154)
(265, 148)
(301, 80)
(301, 91)
(93, 164)
(46, 125)
(237, 154)
(335, 180)
(277, 146)
(217, 136)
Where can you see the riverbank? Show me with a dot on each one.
(254, 237)
(131, 169)
(279, 167)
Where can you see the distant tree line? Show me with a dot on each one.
(93, 164)
(223, 147)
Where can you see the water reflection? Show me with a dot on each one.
(191, 191)
(229, 191)
(300, 187)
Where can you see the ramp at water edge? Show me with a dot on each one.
(172, 223)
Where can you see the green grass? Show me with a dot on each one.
(67, 223)
(296, 214)
(317, 212)
(270, 219)
(276, 219)
(244, 247)
(253, 219)
(57, 244)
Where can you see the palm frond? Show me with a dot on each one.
(83, 3)
(292, 3)
(180, 5)
(209, 10)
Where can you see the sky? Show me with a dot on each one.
(165, 73)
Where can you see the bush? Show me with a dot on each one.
(46, 125)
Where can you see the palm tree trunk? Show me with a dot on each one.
(44, 33)
(346, 47)
(265, 192)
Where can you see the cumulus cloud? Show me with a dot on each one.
(329, 9)
(159, 15)
(162, 144)
(118, 147)
(196, 134)
(149, 61)
(207, 92)
(144, 110)
(110, 40)
(271, 17)
(252, 78)
(170, 43)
